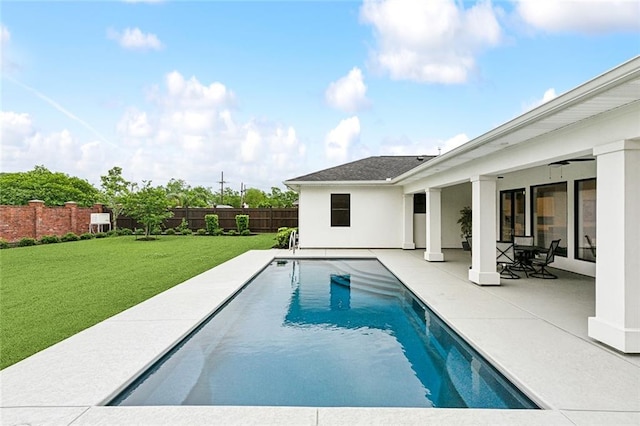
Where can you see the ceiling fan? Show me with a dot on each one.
(571, 160)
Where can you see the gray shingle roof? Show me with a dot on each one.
(371, 168)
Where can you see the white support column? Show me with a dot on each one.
(407, 209)
(483, 258)
(617, 320)
(433, 253)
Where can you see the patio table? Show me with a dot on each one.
(524, 254)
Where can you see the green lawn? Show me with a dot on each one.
(50, 292)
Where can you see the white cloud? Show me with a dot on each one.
(134, 124)
(548, 95)
(340, 141)
(135, 39)
(14, 127)
(405, 146)
(584, 16)
(190, 132)
(453, 142)
(24, 146)
(430, 41)
(6, 63)
(349, 93)
(193, 94)
(5, 35)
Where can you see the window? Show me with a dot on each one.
(512, 208)
(340, 209)
(586, 220)
(420, 203)
(549, 203)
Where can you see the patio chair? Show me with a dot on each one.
(506, 257)
(542, 263)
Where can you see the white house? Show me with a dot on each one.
(568, 169)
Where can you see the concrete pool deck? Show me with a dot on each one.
(533, 330)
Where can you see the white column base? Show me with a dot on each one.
(408, 246)
(626, 340)
(484, 278)
(434, 257)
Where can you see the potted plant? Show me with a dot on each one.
(465, 226)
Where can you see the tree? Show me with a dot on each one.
(55, 189)
(114, 192)
(149, 206)
(282, 199)
(255, 197)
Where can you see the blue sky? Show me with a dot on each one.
(270, 90)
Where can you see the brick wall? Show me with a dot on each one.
(36, 220)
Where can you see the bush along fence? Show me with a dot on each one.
(36, 220)
(260, 220)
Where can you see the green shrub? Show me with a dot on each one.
(218, 232)
(124, 231)
(25, 242)
(242, 222)
(232, 232)
(69, 236)
(4, 244)
(245, 232)
(282, 237)
(49, 239)
(186, 231)
(139, 231)
(212, 224)
(156, 230)
(87, 236)
(183, 227)
(112, 233)
(170, 231)
(201, 231)
(101, 235)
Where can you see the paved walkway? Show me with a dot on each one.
(533, 330)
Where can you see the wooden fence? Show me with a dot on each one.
(260, 220)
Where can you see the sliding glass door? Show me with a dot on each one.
(512, 214)
(549, 217)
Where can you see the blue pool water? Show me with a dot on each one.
(324, 333)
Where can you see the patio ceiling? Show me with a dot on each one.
(611, 90)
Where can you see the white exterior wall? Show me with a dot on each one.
(454, 198)
(376, 217)
(420, 230)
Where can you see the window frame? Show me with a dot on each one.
(562, 251)
(576, 217)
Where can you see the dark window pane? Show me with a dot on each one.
(340, 210)
(419, 203)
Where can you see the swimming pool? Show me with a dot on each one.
(324, 333)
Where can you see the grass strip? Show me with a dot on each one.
(53, 291)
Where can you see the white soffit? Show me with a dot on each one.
(611, 90)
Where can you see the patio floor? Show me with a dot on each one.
(534, 330)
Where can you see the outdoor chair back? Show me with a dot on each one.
(506, 257)
(542, 264)
(523, 240)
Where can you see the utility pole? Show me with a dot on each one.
(243, 189)
(222, 182)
